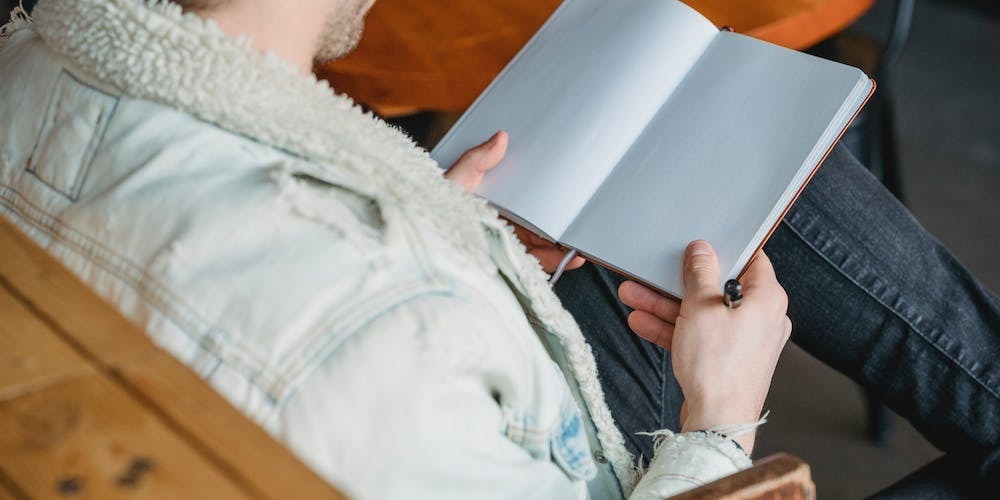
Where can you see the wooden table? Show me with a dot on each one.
(438, 55)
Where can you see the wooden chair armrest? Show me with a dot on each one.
(776, 477)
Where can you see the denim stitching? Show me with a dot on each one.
(520, 429)
(387, 299)
(211, 371)
(663, 388)
(137, 279)
(351, 317)
(215, 341)
(87, 248)
(92, 150)
(673, 475)
(896, 313)
(565, 439)
(524, 432)
(227, 352)
(87, 159)
(105, 121)
(418, 247)
(569, 443)
(351, 313)
(46, 125)
(186, 323)
(310, 355)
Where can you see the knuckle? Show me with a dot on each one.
(779, 298)
(469, 156)
(663, 336)
(782, 299)
(700, 265)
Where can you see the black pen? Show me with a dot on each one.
(732, 294)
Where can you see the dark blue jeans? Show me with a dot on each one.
(872, 295)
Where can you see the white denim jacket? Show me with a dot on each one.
(309, 262)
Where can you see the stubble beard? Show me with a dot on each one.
(341, 32)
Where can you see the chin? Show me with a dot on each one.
(338, 42)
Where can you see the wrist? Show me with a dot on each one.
(732, 423)
(702, 415)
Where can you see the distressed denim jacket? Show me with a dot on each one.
(309, 262)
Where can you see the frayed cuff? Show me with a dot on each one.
(683, 461)
(19, 20)
(733, 431)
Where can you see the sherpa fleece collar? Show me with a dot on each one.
(150, 49)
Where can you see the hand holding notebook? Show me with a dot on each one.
(469, 171)
(637, 126)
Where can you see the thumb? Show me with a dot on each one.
(701, 270)
(469, 170)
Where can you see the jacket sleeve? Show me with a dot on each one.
(411, 408)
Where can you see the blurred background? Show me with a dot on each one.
(946, 89)
(945, 100)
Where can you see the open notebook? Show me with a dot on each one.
(637, 126)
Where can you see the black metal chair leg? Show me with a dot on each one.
(884, 162)
(879, 428)
(890, 157)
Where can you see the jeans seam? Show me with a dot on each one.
(899, 315)
(663, 389)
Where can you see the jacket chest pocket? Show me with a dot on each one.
(563, 441)
(569, 444)
(76, 119)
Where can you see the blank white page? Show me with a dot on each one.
(720, 161)
(574, 99)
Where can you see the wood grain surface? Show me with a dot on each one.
(776, 477)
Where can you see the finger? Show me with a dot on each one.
(548, 254)
(760, 273)
(469, 170)
(550, 258)
(701, 270)
(761, 286)
(530, 239)
(641, 298)
(576, 263)
(535, 240)
(651, 328)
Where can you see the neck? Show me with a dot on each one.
(289, 31)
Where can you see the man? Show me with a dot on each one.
(313, 266)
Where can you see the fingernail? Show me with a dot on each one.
(699, 247)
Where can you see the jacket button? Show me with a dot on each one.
(599, 456)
